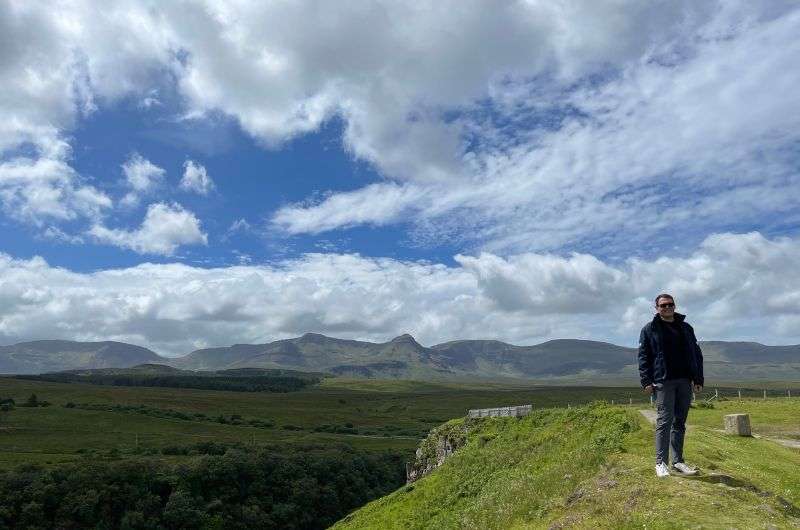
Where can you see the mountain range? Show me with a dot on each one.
(404, 358)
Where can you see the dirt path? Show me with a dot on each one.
(649, 414)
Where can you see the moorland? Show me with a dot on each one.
(297, 456)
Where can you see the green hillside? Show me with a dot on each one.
(55, 355)
(592, 467)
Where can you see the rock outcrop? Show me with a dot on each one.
(440, 443)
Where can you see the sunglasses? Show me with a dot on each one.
(664, 306)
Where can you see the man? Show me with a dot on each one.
(670, 364)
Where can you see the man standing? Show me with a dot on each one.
(670, 363)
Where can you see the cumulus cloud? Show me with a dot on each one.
(196, 179)
(391, 81)
(142, 177)
(40, 188)
(164, 229)
(732, 287)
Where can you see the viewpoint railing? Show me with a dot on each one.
(516, 411)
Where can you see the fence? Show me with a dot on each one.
(729, 393)
(517, 411)
(750, 392)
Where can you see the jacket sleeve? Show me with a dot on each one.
(698, 357)
(645, 359)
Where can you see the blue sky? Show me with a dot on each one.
(474, 170)
(251, 182)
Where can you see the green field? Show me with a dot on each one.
(385, 414)
(378, 414)
(94, 425)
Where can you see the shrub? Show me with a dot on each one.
(32, 401)
(174, 450)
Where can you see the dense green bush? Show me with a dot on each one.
(233, 419)
(241, 488)
(236, 383)
(33, 402)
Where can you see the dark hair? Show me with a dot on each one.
(664, 295)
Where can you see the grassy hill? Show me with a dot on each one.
(55, 355)
(592, 467)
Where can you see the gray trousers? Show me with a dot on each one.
(672, 402)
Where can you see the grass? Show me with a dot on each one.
(592, 467)
(771, 417)
(581, 467)
(386, 414)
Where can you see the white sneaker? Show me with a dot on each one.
(661, 470)
(683, 468)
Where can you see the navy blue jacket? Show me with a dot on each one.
(652, 366)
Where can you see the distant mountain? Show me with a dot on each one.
(405, 358)
(56, 355)
(402, 357)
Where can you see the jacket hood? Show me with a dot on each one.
(678, 317)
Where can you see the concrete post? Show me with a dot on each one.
(737, 424)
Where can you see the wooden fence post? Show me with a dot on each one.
(765, 394)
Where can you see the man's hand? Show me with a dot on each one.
(698, 388)
(648, 389)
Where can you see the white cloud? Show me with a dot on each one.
(196, 179)
(685, 136)
(512, 127)
(142, 177)
(240, 225)
(141, 174)
(56, 234)
(732, 287)
(41, 188)
(164, 229)
(56, 61)
(376, 204)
